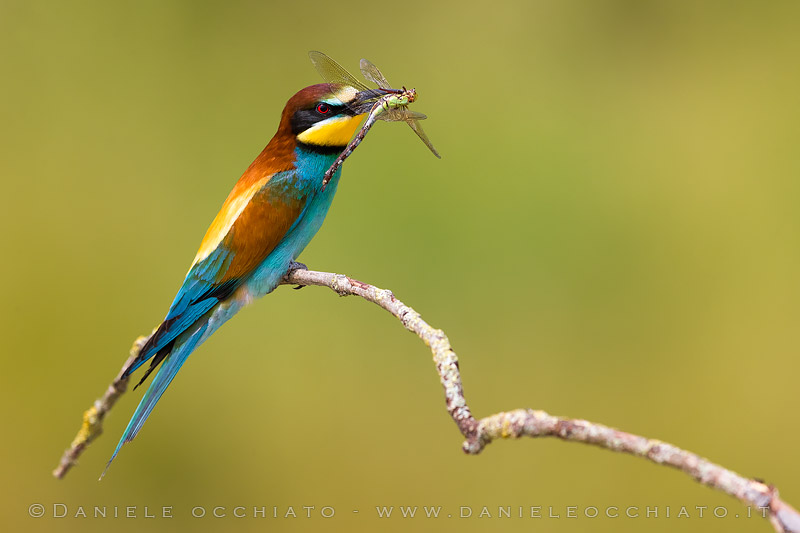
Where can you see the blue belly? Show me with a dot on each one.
(309, 173)
(310, 169)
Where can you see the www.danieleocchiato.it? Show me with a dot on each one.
(65, 511)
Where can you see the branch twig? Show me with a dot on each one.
(512, 424)
(93, 417)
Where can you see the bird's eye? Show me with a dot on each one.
(323, 109)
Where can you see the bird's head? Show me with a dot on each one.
(325, 115)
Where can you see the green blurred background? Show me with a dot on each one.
(612, 234)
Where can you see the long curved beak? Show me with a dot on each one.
(364, 100)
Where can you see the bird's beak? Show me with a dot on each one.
(364, 100)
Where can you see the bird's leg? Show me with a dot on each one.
(295, 265)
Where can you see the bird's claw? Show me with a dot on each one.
(295, 265)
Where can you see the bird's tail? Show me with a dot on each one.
(170, 366)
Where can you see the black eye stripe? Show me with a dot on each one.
(331, 109)
(306, 118)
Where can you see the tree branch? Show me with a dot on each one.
(479, 433)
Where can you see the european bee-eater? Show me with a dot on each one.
(269, 217)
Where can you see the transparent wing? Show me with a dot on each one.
(333, 72)
(417, 127)
(401, 115)
(373, 74)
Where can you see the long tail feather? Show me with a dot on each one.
(169, 368)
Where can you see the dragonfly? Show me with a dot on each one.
(390, 104)
(412, 118)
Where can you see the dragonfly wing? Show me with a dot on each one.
(413, 115)
(417, 127)
(401, 115)
(373, 74)
(333, 72)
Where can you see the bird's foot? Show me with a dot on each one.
(295, 265)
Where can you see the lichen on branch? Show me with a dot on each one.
(478, 433)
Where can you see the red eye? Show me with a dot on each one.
(323, 109)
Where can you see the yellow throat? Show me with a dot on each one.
(335, 131)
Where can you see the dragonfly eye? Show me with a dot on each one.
(323, 109)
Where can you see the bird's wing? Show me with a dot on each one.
(251, 223)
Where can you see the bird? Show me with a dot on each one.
(270, 216)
